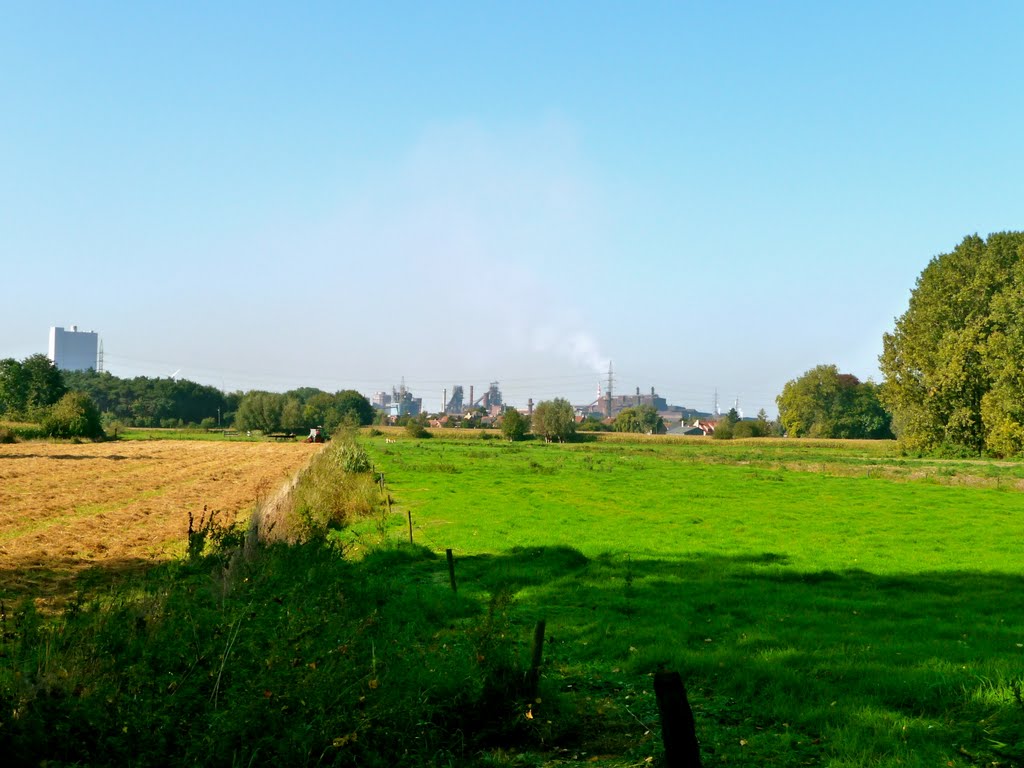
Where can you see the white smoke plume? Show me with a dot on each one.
(577, 347)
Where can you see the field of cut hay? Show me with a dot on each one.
(73, 512)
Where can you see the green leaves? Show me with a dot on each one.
(826, 403)
(554, 420)
(953, 363)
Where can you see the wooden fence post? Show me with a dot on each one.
(451, 569)
(538, 654)
(410, 526)
(678, 732)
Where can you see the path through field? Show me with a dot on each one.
(67, 510)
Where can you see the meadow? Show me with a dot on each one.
(827, 603)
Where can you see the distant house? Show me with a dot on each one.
(706, 427)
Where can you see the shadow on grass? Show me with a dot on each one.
(54, 580)
(919, 669)
(784, 667)
(73, 457)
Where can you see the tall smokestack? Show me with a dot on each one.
(472, 402)
(444, 400)
(529, 407)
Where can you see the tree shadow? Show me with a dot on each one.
(54, 580)
(905, 663)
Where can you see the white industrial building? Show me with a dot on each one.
(74, 350)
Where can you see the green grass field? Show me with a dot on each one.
(827, 604)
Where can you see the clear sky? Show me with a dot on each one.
(712, 196)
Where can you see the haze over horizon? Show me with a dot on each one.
(709, 197)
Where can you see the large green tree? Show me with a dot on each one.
(642, 419)
(954, 363)
(354, 407)
(826, 403)
(260, 411)
(514, 425)
(554, 420)
(13, 387)
(29, 387)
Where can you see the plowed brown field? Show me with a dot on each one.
(104, 509)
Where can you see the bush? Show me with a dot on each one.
(747, 429)
(416, 430)
(7, 436)
(74, 415)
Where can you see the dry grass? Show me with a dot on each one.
(67, 511)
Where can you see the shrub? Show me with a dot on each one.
(416, 430)
(7, 436)
(747, 429)
(74, 415)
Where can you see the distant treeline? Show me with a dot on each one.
(146, 402)
(30, 389)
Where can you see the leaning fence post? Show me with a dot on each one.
(678, 732)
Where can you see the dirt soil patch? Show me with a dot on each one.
(70, 512)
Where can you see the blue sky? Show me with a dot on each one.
(712, 196)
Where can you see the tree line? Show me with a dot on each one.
(953, 366)
(34, 390)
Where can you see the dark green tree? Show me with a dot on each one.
(13, 387)
(554, 420)
(354, 406)
(641, 419)
(953, 362)
(826, 403)
(43, 381)
(514, 425)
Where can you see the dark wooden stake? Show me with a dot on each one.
(451, 569)
(538, 656)
(678, 731)
(410, 526)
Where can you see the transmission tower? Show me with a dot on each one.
(608, 392)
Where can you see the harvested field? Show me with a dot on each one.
(74, 512)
